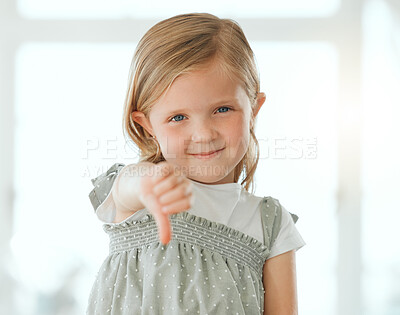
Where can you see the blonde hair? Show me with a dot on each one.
(179, 45)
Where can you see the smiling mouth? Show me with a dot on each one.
(207, 155)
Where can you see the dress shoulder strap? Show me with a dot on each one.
(271, 218)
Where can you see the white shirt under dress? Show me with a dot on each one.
(229, 204)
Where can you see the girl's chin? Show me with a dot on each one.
(204, 174)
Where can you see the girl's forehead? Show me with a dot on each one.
(202, 93)
(203, 85)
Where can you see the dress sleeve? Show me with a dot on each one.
(101, 196)
(288, 237)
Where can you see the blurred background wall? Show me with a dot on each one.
(328, 138)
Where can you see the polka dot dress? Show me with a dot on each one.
(207, 267)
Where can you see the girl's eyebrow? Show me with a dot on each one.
(232, 100)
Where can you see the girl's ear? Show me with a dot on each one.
(260, 101)
(141, 119)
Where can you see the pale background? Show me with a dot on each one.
(327, 132)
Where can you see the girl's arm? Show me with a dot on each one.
(126, 189)
(279, 278)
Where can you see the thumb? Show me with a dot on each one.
(162, 221)
(164, 227)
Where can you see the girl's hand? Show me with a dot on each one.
(163, 192)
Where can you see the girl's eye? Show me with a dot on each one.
(172, 119)
(176, 118)
(226, 108)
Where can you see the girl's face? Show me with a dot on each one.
(202, 112)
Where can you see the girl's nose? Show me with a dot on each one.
(204, 132)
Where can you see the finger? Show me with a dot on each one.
(179, 206)
(166, 185)
(161, 170)
(178, 192)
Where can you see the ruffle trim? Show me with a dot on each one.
(217, 227)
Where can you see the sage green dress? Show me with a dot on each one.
(206, 268)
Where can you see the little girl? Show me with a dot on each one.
(185, 236)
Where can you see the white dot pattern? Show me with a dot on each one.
(207, 268)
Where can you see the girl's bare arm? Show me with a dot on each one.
(279, 278)
(126, 189)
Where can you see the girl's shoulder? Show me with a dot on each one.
(103, 184)
(272, 213)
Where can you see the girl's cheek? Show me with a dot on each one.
(239, 133)
(236, 125)
(171, 139)
(172, 135)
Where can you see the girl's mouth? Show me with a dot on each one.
(209, 155)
